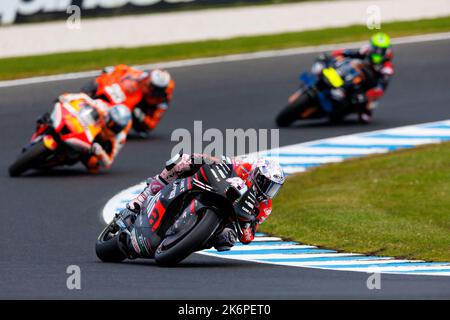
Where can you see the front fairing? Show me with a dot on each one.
(216, 193)
(76, 125)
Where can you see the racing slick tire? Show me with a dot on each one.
(27, 159)
(108, 246)
(293, 111)
(191, 242)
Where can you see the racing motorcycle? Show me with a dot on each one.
(61, 138)
(106, 87)
(339, 86)
(180, 220)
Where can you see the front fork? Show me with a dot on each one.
(295, 96)
(124, 221)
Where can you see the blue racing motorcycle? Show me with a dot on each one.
(334, 92)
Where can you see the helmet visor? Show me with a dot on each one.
(266, 186)
(115, 127)
(158, 92)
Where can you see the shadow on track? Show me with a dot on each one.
(326, 124)
(190, 262)
(60, 173)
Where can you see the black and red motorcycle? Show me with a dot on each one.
(181, 219)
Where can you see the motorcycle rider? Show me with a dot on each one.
(377, 55)
(139, 90)
(115, 122)
(264, 175)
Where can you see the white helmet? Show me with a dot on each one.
(160, 78)
(118, 118)
(268, 177)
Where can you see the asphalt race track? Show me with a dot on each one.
(50, 221)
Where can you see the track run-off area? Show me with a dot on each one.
(51, 220)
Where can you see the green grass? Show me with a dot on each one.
(12, 68)
(396, 204)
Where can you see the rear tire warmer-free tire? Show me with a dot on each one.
(27, 159)
(190, 243)
(109, 250)
(293, 111)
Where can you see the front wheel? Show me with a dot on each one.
(108, 245)
(301, 108)
(175, 252)
(29, 159)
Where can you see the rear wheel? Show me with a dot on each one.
(300, 108)
(108, 245)
(193, 241)
(29, 159)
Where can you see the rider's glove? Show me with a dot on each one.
(154, 185)
(103, 157)
(96, 149)
(134, 205)
(176, 167)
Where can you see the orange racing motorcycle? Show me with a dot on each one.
(61, 138)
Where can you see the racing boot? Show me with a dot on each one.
(224, 240)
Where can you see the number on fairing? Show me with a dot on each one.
(116, 93)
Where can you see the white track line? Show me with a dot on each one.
(227, 58)
(271, 247)
(367, 141)
(258, 257)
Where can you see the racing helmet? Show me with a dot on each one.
(268, 177)
(159, 80)
(380, 48)
(117, 118)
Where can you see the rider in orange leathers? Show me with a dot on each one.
(146, 93)
(115, 122)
